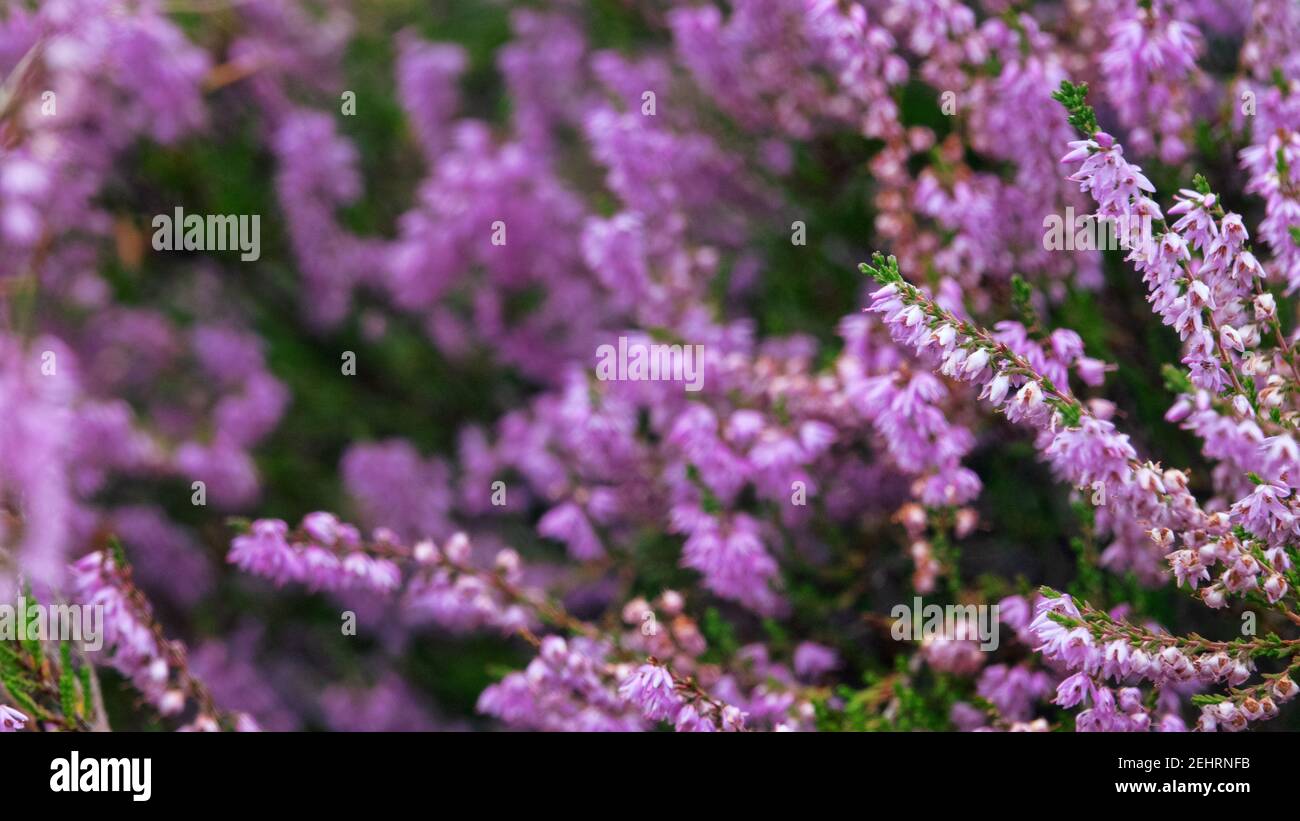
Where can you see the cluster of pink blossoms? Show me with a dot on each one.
(134, 646)
(1099, 647)
(327, 558)
(1206, 283)
(646, 189)
(584, 677)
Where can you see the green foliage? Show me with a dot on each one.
(1022, 296)
(1089, 581)
(118, 553)
(44, 687)
(899, 701)
(830, 191)
(20, 676)
(31, 645)
(882, 269)
(1075, 99)
(720, 635)
(87, 689)
(67, 685)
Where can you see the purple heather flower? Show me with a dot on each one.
(812, 660)
(650, 687)
(567, 523)
(11, 720)
(1073, 690)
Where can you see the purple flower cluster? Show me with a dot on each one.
(567, 687)
(633, 192)
(583, 682)
(324, 554)
(134, 646)
(1151, 76)
(1098, 647)
(1207, 284)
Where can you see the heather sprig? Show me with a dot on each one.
(1080, 114)
(1098, 646)
(135, 646)
(617, 676)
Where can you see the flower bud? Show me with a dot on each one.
(1214, 596)
(425, 552)
(1030, 397)
(1229, 338)
(671, 602)
(1275, 588)
(1238, 673)
(457, 548)
(1265, 306)
(634, 612)
(1283, 688)
(1252, 709)
(171, 703)
(967, 520)
(997, 389)
(976, 363)
(507, 562)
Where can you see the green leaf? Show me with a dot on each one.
(118, 554)
(719, 633)
(11, 664)
(883, 269)
(26, 704)
(1176, 380)
(31, 644)
(67, 685)
(1075, 99)
(1022, 296)
(86, 691)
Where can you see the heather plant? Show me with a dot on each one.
(420, 366)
